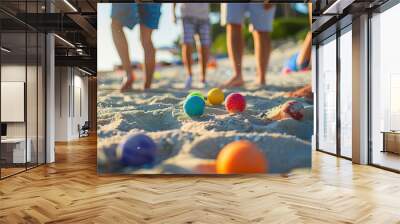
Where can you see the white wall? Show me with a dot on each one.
(13, 101)
(80, 118)
(61, 103)
(70, 84)
(14, 73)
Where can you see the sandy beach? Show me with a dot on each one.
(185, 142)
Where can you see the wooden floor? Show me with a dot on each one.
(69, 191)
(5, 172)
(386, 159)
(8, 171)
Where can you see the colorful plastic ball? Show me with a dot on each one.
(196, 93)
(293, 109)
(157, 75)
(241, 157)
(212, 63)
(194, 106)
(137, 150)
(235, 103)
(215, 96)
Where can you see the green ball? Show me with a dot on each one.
(196, 93)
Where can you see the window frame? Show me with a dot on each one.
(338, 29)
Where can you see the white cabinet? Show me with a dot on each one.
(19, 155)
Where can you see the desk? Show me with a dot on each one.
(16, 147)
(391, 141)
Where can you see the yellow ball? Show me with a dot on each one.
(157, 75)
(215, 96)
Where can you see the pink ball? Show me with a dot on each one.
(235, 103)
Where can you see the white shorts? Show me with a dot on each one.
(260, 18)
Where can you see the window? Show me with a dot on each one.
(385, 89)
(327, 96)
(346, 75)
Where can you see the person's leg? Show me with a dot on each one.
(261, 19)
(235, 41)
(301, 60)
(149, 54)
(203, 59)
(203, 48)
(305, 92)
(187, 50)
(262, 48)
(123, 15)
(121, 44)
(149, 15)
(187, 58)
(122, 48)
(305, 53)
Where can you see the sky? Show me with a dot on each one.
(107, 55)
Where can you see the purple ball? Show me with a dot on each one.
(137, 150)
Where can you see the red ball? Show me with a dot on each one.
(294, 109)
(235, 103)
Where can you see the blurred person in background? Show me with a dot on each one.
(301, 60)
(129, 15)
(195, 22)
(261, 17)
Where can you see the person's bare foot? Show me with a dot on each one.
(305, 92)
(290, 109)
(147, 85)
(145, 88)
(236, 81)
(261, 82)
(127, 83)
(285, 175)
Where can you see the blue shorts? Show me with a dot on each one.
(260, 18)
(130, 14)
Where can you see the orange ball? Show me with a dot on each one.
(241, 157)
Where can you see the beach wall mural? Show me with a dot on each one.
(199, 88)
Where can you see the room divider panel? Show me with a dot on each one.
(22, 77)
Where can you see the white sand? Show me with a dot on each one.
(184, 142)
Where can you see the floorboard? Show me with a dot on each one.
(70, 191)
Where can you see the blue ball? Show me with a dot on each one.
(137, 150)
(194, 106)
